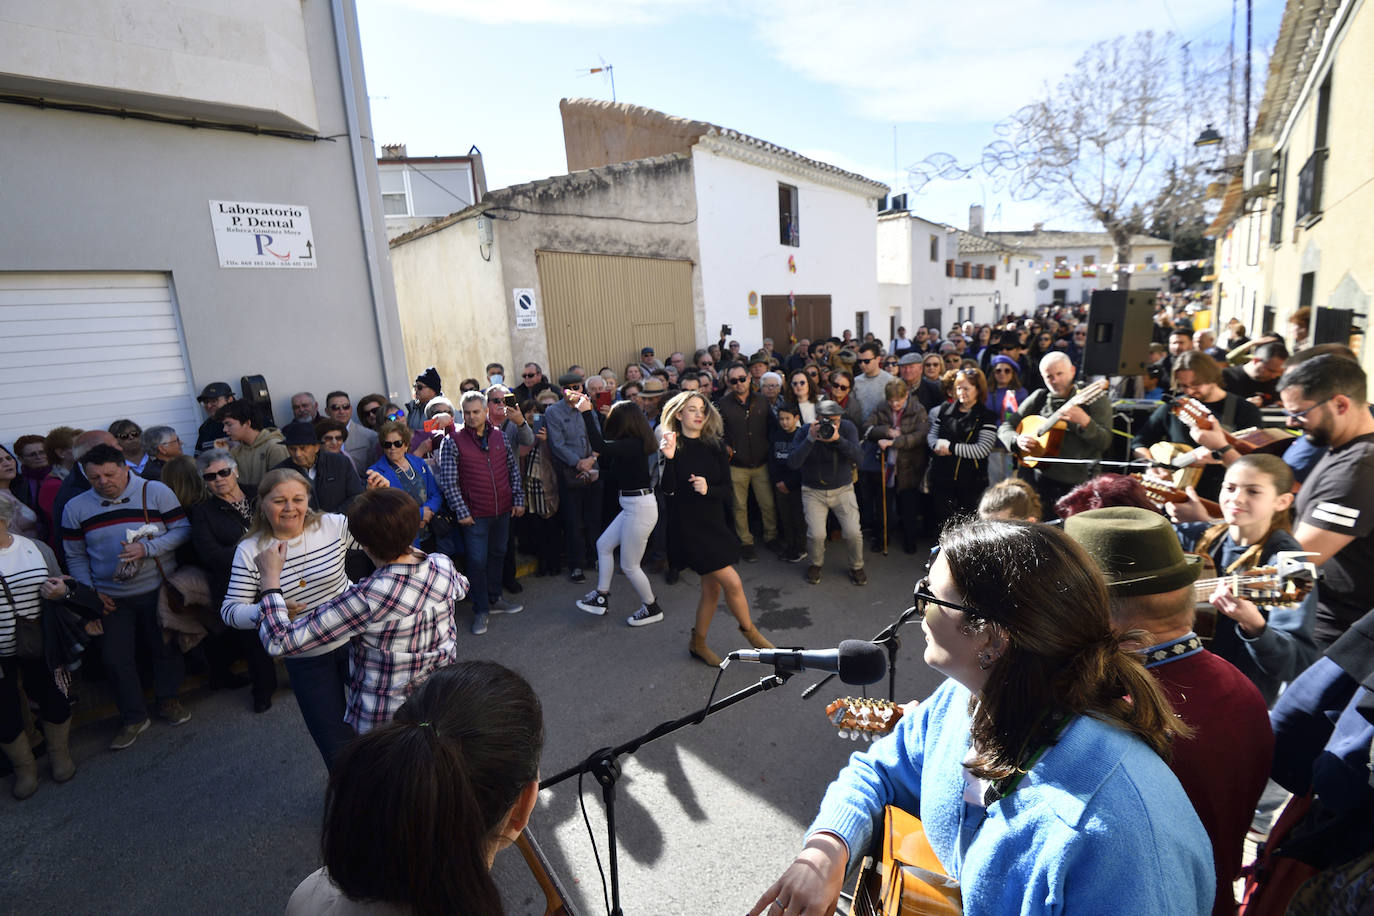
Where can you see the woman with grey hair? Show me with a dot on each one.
(161, 444)
(217, 525)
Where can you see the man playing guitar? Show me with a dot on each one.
(1088, 434)
(1198, 377)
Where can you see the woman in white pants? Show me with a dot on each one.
(625, 454)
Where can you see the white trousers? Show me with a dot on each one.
(630, 532)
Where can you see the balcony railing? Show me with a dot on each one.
(1309, 202)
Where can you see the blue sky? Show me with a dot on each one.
(826, 78)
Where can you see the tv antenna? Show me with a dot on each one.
(606, 69)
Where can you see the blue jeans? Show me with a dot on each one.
(134, 620)
(320, 684)
(485, 541)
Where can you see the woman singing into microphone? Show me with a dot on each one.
(1037, 767)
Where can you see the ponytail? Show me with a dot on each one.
(414, 808)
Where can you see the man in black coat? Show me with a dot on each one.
(333, 480)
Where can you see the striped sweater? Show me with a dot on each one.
(24, 566)
(93, 534)
(313, 574)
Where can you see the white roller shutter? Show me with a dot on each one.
(84, 349)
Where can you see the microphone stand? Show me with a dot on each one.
(889, 640)
(604, 764)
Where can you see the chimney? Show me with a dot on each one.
(975, 219)
(393, 151)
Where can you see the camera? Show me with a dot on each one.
(827, 428)
(726, 330)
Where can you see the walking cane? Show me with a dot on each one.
(882, 477)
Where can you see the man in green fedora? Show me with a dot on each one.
(1225, 765)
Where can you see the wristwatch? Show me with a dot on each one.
(1217, 453)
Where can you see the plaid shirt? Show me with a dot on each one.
(402, 624)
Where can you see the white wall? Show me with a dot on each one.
(247, 60)
(737, 223)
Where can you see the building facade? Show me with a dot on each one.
(420, 189)
(1071, 265)
(1295, 233)
(665, 232)
(198, 204)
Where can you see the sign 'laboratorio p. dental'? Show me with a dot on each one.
(262, 235)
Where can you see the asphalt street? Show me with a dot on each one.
(221, 815)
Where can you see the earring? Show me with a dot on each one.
(985, 659)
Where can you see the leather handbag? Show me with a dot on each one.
(28, 631)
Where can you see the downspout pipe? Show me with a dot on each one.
(348, 78)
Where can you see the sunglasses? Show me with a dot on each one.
(798, 381)
(332, 439)
(129, 435)
(739, 379)
(1301, 414)
(706, 362)
(865, 361)
(1002, 369)
(839, 387)
(211, 476)
(333, 407)
(371, 411)
(923, 597)
(529, 375)
(393, 443)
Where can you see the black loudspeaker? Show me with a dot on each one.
(1333, 326)
(1120, 326)
(255, 392)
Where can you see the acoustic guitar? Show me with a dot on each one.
(905, 878)
(1162, 491)
(1286, 583)
(1271, 440)
(1049, 431)
(555, 897)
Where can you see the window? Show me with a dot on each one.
(1016, 277)
(1149, 259)
(1276, 219)
(990, 272)
(395, 204)
(1308, 287)
(977, 271)
(788, 230)
(949, 268)
(934, 247)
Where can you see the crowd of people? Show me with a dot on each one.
(343, 541)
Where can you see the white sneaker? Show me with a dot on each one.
(594, 602)
(645, 615)
(502, 606)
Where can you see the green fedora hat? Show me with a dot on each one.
(1136, 548)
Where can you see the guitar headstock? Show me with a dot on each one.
(1193, 412)
(1092, 392)
(863, 717)
(1160, 490)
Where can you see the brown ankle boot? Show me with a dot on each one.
(700, 650)
(25, 768)
(756, 638)
(59, 754)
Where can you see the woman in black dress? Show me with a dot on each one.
(701, 530)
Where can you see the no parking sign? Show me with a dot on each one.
(526, 312)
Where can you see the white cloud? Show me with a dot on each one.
(906, 61)
(553, 12)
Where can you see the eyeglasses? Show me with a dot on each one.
(333, 407)
(333, 438)
(529, 375)
(130, 435)
(839, 387)
(706, 362)
(864, 361)
(371, 411)
(1006, 369)
(393, 443)
(1301, 415)
(812, 373)
(739, 379)
(922, 597)
(798, 381)
(211, 476)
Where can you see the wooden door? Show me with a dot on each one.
(812, 320)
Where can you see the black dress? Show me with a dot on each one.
(701, 528)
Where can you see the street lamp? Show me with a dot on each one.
(1208, 137)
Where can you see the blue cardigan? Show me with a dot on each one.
(1098, 825)
(434, 497)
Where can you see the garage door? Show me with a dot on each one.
(601, 309)
(85, 349)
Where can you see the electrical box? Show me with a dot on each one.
(1258, 175)
(484, 231)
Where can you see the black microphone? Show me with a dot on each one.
(856, 661)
